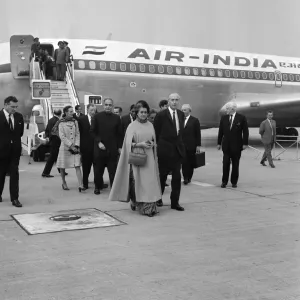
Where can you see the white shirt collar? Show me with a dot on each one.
(171, 111)
(6, 113)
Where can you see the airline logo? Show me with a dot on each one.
(94, 50)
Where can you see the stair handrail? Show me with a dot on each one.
(47, 103)
(71, 84)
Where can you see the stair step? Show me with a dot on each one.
(60, 100)
(61, 105)
(59, 96)
(59, 91)
(58, 85)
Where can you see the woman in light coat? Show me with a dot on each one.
(69, 154)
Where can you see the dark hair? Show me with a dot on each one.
(153, 111)
(65, 42)
(65, 110)
(269, 111)
(132, 106)
(77, 106)
(57, 112)
(119, 108)
(9, 99)
(90, 105)
(163, 103)
(142, 104)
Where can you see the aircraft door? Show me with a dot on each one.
(20, 50)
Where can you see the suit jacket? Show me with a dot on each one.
(50, 126)
(75, 116)
(169, 143)
(125, 120)
(86, 137)
(265, 131)
(10, 141)
(233, 139)
(107, 129)
(192, 134)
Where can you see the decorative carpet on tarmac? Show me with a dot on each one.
(37, 223)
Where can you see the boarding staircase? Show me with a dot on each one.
(60, 95)
(63, 93)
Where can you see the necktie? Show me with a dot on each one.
(10, 123)
(174, 121)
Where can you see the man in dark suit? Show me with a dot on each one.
(54, 144)
(168, 125)
(127, 119)
(11, 131)
(87, 145)
(233, 135)
(267, 130)
(78, 112)
(107, 132)
(192, 142)
(118, 111)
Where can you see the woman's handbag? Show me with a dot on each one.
(137, 159)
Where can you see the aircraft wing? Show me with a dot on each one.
(286, 107)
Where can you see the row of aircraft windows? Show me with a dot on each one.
(188, 71)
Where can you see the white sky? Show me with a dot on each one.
(259, 26)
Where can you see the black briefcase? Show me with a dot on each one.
(199, 160)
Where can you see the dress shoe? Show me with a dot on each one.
(104, 186)
(47, 176)
(159, 203)
(81, 189)
(97, 192)
(189, 181)
(185, 181)
(223, 185)
(0, 199)
(177, 207)
(86, 187)
(272, 166)
(234, 186)
(16, 203)
(263, 163)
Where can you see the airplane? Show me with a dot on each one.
(128, 72)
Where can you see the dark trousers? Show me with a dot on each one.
(175, 182)
(188, 165)
(100, 164)
(55, 144)
(234, 158)
(11, 166)
(268, 153)
(87, 162)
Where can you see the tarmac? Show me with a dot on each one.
(228, 243)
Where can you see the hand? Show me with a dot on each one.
(145, 145)
(120, 149)
(244, 147)
(101, 146)
(198, 150)
(219, 147)
(47, 140)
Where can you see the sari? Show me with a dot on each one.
(140, 185)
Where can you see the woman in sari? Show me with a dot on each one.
(69, 154)
(138, 184)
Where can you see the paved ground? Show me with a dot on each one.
(228, 244)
